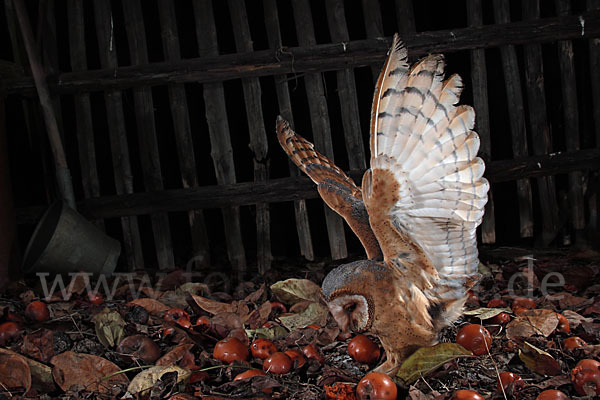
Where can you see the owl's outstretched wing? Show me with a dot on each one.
(336, 188)
(424, 191)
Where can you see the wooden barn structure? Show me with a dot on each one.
(166, 113)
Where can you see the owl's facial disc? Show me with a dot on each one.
(352, 312)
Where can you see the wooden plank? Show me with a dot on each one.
(594, 50)
(374, 27)
(285, 109)
(83, 109)
(319, 116)
(317, 58)
(571, 121)
(258, 136)
(218, 128)
(480, 103)
(540, 131)
(294, 188)
(148, 145)
(183, 131)
(346, 88)
(516, 110)
(117, 134)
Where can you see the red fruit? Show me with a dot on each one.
(517, 310)
(573, 342)
(297, 357)
(230, 349)
(525, 302)
(465, 394)
(179, 316)
(587, 382)
(249, 374)
(588, 363)
(474, 337)
(340, 391)
(552, 394)
(240, 334)
(508, 378)
(563, 324)
(203, 321)
(363, 349)
(501, 319)
(8, 332)
(376, 385)
(37, 311)
(314, 326)
(277, 306)
(262, 348)
(278, 363)
(95, 298)
(499, 303)
(139, 347)
(310, 351)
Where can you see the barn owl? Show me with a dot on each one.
(417, 211)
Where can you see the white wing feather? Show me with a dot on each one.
(419, 135)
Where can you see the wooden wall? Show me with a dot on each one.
(167, 111)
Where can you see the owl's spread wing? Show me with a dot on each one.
(336, 188)
(424, 192)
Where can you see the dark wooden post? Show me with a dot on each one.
(218, 128)
(594, 48)
(374, 27)
(117, 133)
(7, 214)
(540, 131)
(319, 116)
(183, 131)
(571, 124)
(480, 103)
(285, 109)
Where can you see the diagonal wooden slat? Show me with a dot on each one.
(183, 131)
(285, 109)
(319, 116)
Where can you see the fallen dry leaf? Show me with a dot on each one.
(41, 374)
(14, 372)
(110, 328)
(173, 356)
(575, 319)
(256, 295)
(315, 313)
(153, 306)
(212, 306)
(146, 379)
(532, 322)
(39, 345)
(77, 370)
(539, 361)
(428, 359)
(292, 291)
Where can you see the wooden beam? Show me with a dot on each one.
(295, 188)
(318, 58)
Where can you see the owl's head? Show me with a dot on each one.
(348, 292)
(352, 312)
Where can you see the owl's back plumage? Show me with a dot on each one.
(423, 195)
